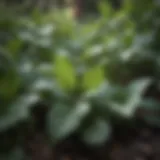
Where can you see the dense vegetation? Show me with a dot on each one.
(63, 77)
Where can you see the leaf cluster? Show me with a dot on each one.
(90, 75)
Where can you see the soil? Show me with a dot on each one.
(139, 143)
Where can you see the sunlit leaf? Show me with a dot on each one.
(65, 72)
(93, 78)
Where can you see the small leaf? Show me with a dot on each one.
(97, 133)
(64, 120)
(93, 78)
(65, 72)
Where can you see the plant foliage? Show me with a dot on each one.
(91, 74)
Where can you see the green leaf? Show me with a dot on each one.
(64, 120)
(47, 88)
(17, 111)
(93, 78)
(98, 132)
(135, 94)
(65, 72)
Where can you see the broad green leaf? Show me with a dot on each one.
(64, 120)
(65, 72)
(135, 95)
(93, 78)
(17, 111)
(98, 132)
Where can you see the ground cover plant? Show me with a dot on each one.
(90, 80)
